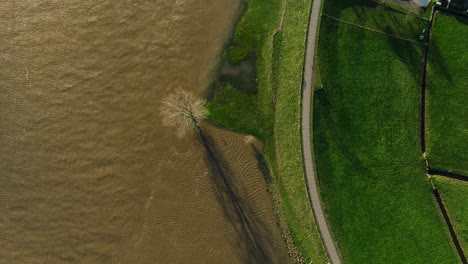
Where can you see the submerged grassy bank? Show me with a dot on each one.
(366, 138)
(273, 33)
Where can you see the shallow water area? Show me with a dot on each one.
(87, 172)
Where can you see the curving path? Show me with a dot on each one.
(311, 181)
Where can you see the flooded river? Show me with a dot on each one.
(87, 172)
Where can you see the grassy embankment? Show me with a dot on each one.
(447, 97)
(272, 113)
(366, 139)
(454, 195)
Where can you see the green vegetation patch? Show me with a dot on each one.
(447, 95)
(367, 148)
(235, 110)
(454, 194)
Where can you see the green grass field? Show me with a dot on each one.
(366, 140)
(371, 15)
(454, 195)
(447, 96)
(273, 112)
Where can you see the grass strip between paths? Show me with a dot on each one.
(288, 65)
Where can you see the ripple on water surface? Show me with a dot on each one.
(87, 173)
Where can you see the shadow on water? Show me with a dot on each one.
(254, 236)
(262, 165)
(355, 5)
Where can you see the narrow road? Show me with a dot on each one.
(307, 93)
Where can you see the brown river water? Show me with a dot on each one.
(87, 172)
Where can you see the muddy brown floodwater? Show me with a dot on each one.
(87, 172)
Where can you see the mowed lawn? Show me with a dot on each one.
(454, 195)
(367, 149)
(447, 95)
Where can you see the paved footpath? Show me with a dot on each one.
(314, 195)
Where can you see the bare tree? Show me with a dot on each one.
(183, 111)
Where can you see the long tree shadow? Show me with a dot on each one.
(254, 235)
(408, 53)
(338, 128)
(262, 164)
(437, 62)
